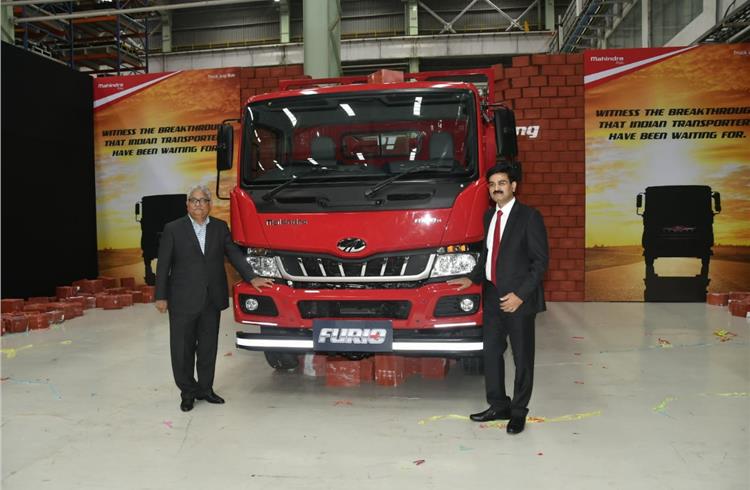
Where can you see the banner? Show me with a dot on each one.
(667, 172)
(155, 137)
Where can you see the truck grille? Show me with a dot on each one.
(392, 268)
(397, 310)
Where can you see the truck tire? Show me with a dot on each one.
(472, 365)
(282, 361)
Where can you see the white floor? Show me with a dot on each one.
(627, 396)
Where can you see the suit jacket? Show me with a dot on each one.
(522, 259)
(185, 276)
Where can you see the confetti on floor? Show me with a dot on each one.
(661, 406)
(418, 462)
(577, 338)
(168, 423)
(342, 402)
(227, 354)
(724, 335)
(664, 343)
(502, 424)
(10, 353)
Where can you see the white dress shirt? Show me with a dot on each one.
(491, 235)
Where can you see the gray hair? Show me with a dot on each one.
(199, 187)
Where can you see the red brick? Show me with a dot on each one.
(576, 295)
(15, 323)
(513, 93)
(434, 367)
(246, 94)
(557, 81)
(37, 321)
(294, 70)
(512, 72)
(37, 300)
(498, 71)
(577, 102)
(389, 370)
(574, 58)
(539, 59)
(540, 81)
(566, 91)
(529, 71)
(531, 92)
(11, 305)
(342, 372)
(367, 370)
(574, 80)
(523, 103)
(550, 113)
(127, 282)
(557, 59)
(519, 82)
(552, 178)
(558, 296)
(519, 61)
(263, 72)
(540, 102)
(137, 296)
(109, 282)
(549, 91)
(109, 302)
(556, 275)
(567, 70)
(550, 70)
(247, 72)
(576, 275)
(412, 365)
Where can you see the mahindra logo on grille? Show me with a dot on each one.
(351, 245)
(372, 336)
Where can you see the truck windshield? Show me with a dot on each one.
(361, 136)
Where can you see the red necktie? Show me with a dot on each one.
(496, 247)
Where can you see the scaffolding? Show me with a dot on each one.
(107, 44)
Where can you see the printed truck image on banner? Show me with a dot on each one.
(667, 172)
(155, 137)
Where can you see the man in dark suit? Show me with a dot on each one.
(191, 284)
(511, 266)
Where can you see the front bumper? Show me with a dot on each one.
(420, 332)
(470, 343)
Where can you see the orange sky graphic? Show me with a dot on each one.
(616, 171)
(188, 98)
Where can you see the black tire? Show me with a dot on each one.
(282, 361)
(472, 365)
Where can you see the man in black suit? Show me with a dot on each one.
(511, 265)
(191, 284)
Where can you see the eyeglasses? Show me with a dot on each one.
(194, 202)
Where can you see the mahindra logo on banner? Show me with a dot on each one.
(352, 335)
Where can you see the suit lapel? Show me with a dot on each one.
(511, 224)
(210, 232)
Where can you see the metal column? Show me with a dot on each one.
(321, 28)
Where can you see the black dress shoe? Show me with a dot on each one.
(490, 414)
(187, 404)
(212, 398)
(516, 425)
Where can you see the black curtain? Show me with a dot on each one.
(48, 187)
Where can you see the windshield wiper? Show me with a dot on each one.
(421, 168)
(269, 195)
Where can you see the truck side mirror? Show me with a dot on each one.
(505, 133)
(717, 202)
(138, 211)
(224, 147)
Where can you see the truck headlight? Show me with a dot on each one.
(263, 266)
(453, 265)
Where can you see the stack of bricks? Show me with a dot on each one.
(70, 302)
(738, 302)
(259, 80)
(547, 91)
(384, 369)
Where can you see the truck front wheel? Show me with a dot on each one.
(282, 361)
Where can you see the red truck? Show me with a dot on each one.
(361, 199)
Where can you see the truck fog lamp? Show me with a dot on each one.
(467, 304)
(251, 304)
